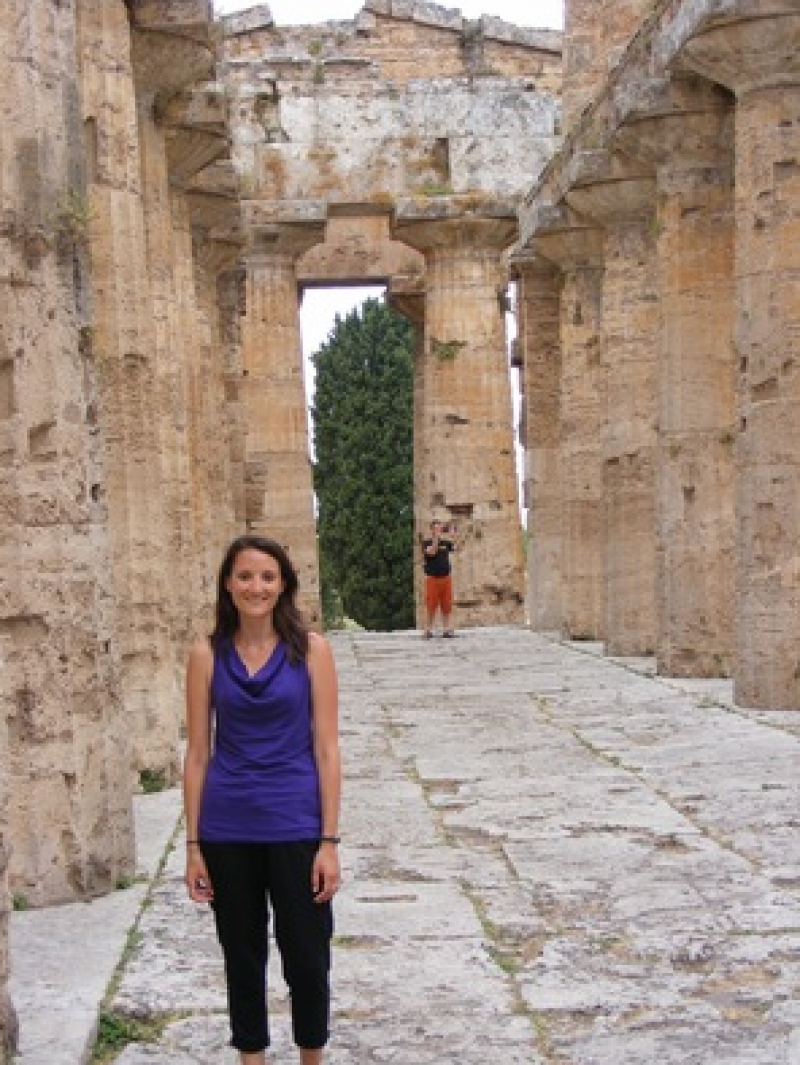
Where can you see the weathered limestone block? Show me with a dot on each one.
(278, 476)
(67, 818)
(622, 201)
(684, 129)
(466, 454)
(758, 58)
(577, 248)
(358, 249)
(538, 321)
(596, 33)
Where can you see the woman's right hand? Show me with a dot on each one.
(197, 879)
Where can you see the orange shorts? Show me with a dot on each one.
(439, 593)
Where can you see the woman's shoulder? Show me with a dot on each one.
(319, 649)
(201, 653)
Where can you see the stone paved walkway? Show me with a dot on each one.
(550, 857)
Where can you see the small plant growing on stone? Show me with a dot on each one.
(314, 47)
(152, 780)
(19, 902)
(72, 217)
(446, 350)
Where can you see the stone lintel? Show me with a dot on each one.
(454, 221)
(754, 45)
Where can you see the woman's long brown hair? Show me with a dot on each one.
(287, 619)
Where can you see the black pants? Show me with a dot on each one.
(248, 879)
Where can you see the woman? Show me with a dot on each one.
(262, 800)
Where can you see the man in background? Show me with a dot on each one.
(436, 551)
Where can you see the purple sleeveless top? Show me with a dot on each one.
(262, 784)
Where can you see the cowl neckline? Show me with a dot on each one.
(263, 675)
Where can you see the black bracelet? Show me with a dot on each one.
(330, 839)
(190, 842)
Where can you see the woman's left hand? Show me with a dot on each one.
(325, 873)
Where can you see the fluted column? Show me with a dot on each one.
(465, 465)
(683, 128)
(577, 248)
(758, 58)
(539, 336)
(278, 477)
(67, 819)
(406, 295)
(623, 204)
(124, 344)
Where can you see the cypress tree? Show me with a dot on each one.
(363, 475)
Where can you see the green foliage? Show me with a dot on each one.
(363, 429)
(152, 780)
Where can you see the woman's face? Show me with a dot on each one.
(255, 583)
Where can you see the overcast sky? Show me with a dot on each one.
(537, 13)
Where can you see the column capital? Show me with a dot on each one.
(754, 46)
(171, 45)
(406, 294)
(607, 187)
(283, 229)
(195, 131)
(560, 235)
(454, 222)
(681, 122)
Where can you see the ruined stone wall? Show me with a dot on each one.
(351, 125)
(684, 164)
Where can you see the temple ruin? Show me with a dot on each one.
(171, 186)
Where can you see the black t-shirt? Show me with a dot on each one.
(437, 565)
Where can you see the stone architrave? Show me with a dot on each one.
(464, 460)
(67, 815)
(758, 58)
(622, 201)
(279, 497)
(576, 246)
(538, 324)
(683, 127)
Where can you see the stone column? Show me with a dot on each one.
(182, 131)
(279, 491)
(125, 349)
(67, 820)
(466, 465)
(539, 336)
(684, 129)
(406, 295)
(759, 59)
(577, 248)
(623, 203)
